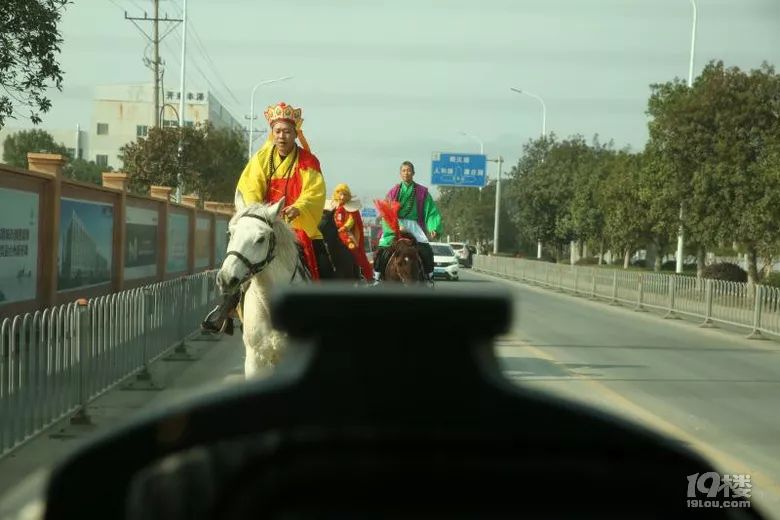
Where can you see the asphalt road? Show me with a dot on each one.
(709, 388)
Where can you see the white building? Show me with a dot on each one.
(122, 113)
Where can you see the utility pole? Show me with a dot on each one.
(156, 62)
(182, 85)
(500, 161)
(155, 40)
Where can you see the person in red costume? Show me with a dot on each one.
(346, 214)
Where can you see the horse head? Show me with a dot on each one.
(252, 244)
(404, 264)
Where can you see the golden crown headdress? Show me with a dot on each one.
(283, 112)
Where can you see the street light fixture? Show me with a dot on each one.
(252, 108)
(538, 98)
(681, 234)
(544, 134)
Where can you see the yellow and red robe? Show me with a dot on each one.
(350, 226)
(297, 178)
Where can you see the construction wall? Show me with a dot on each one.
(61, 240)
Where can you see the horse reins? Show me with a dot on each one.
(255, 268)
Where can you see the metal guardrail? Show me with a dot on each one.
(755, 307)
(54, 362)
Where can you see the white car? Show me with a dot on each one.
(464, 252)
(445, 261)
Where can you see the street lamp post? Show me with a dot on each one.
(544, 134)
(181, 101)
(544, 106)
(252, 109)
(681, 235)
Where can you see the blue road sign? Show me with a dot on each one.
(368, 213)
(458, 169)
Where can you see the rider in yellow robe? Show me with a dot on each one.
(282, 169)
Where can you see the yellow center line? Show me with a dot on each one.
(719, 457)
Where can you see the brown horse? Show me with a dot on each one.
(404, 264)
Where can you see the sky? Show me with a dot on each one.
(381, 81)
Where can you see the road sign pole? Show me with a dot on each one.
(500, 162)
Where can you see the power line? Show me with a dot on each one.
(216, 92)
(201, 48)
(207, 57)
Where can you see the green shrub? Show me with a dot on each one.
(725, 271)
(669, 265)
(639, 263)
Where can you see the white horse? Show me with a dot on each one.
(262, 253)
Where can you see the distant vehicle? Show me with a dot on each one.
(464, 253)
(445, 261)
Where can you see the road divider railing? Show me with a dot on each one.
(54, 362)
(754, 307)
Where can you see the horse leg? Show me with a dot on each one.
(256, 331)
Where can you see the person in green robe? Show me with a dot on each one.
(418, 214)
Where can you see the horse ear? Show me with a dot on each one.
(277, 208)
(238, 202)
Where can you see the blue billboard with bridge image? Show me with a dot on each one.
(458, 169)
(85, 249)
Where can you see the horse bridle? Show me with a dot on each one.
(257, 267)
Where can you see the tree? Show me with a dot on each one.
(469, 215)
(84, 171)
(625, 210)
(210, 163)
(585, 208)
(553, 189)
(712, 136)
(222, 161)
(16, 146)
(466, 213)
(659, 203)
(29, 45)
(530, 212)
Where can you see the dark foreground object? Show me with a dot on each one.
(415, 424)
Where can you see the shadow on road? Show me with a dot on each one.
(516, 366)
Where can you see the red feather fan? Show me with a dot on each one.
(388, 210)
